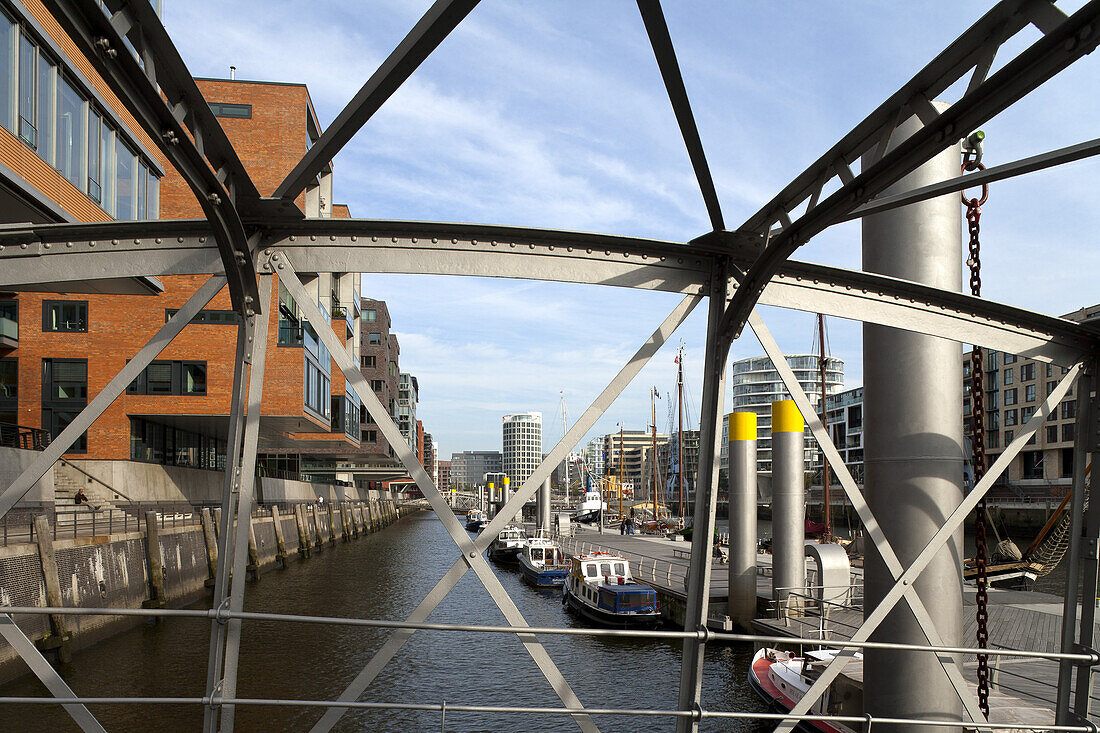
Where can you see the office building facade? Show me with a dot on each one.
(522, 437)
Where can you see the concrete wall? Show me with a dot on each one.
(113, 571)
(13, 461)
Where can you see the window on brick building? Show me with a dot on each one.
(170, 378)
(370, 436)
(1052, 433)
(1009, 435)
(1026, 413)
(64, 395)
(1033, 464)
(374, 339)
(65, 316)
(1027, 372)
(1010, 417)
(1069, 409)
(369, 362)
(991, 380)
(1068, 432)
(1010, 358)
(9, 389)
(376, 385)
(370, 315)
(1008, 375)
(1010, 396)
(226, 109)
(1029, 393)
(993, 439)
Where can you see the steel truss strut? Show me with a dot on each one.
(183, 127)
(471, 552)
(1060, 47)
(859, 503)
(950, 525)
(64, 253)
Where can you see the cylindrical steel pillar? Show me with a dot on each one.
(544, 507)
(913, 445)
(491, 511)
(788, 500)
(742, 511)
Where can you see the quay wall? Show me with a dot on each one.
(113, 571)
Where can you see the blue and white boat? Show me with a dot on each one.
(543, 563)
(600, 588)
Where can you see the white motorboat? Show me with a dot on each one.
(588, 510)
(543, 563)
(476, 520)
(508, 544)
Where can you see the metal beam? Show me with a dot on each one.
(446, 516)
(665, 53)
(706, 501)
(118, 384)
(60, 253)
(863, 510)
(978, 178)
(243, 472)
(177, 136)
(1042, 60)
(25, 648)
(951, 524)
(421, 41)
(572, 436)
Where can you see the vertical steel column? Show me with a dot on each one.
(788, 500)
(706, 499)
(222, 555)
(1090, 555)
(544, 506)
(245, 478)
(913, 454)
(1074, 555)
(742, 503)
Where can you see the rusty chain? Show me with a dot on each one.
(977, 401)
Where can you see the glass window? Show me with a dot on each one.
(1052, 433)
(1026, 413)
(194, 377)
(95, 126)
(1069, 409)
(28, 75)
(1010, 396)
(125, 180)
(69, 316)
(64, 394)
(1050, 387)
(1027, 372)
(70, 133)
(991, 380)
(106, 166)
(7, 61)
(1029, 393)
(9, 389)
(374, 338)
(1010, 358)
(142, 182)
(1010, 417)
(225, 109)
(1009, 435)
(1067, 432)
(370, 316)
(1008, 375)
(152, 197)
(47, 95)
(159, 377)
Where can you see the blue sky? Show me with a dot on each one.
(553, 115)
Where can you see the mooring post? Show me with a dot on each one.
(319, 539)
(742, 518)
(211, 541)
(253, 550)
(788, 503)
(303, 531)
(913, 444)
(155, 556)
(58, 637)
(280, 541)
(544, 506)
(331, 526)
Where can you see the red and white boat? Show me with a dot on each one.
(782, 679)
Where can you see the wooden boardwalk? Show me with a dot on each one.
(1022, 620)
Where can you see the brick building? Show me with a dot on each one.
(65, 347)
(379, 361)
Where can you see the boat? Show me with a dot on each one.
(543, 563)
(476, 520)
(508, 544)
(588, 510)
(600, 588)
(782, 679)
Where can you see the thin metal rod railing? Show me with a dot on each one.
(439, 707)
(704, 634)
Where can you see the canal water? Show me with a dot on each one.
(384, 576)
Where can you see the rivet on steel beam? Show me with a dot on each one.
(136, 241)
(69, 244)
(374, 239)
(473, 242)
(313, 237)
(281, 265)
(267, 251)
(551, 248)
(158, 240)
(202, 240)
(46, 245)
(179, 239)
(275, 257)
(588, 250)
(91, 244)
(679, 260)
(530, 246)
(512, 245)
(493, 243)
(568, 249)
(214, 199)
(1071, 43)
(394, 239)
(645, 256)
(1085, 32)
(607, 253)
(354, 238)
(435, 240)
(292, 237)
(414, 240)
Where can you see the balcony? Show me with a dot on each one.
(9, 333)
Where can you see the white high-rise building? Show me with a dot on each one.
(756, 384)
(522, 446)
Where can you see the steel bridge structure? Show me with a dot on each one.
(245, 239)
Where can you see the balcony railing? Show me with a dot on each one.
(20, 436)
(9, 332)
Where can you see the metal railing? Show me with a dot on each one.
(21, 436)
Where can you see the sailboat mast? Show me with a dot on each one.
(680, 426)
(824, 423)
(621, 472)
(653, 447)
(564, 430)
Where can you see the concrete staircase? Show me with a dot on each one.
(66, 481)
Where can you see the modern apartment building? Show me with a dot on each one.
(469, 467)
(522, 435)
(756, 384)
(70, 152)
(408, 390)
(443, 468)
(668, 467)
(634, 448)
(379, 361)
(844, 411)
